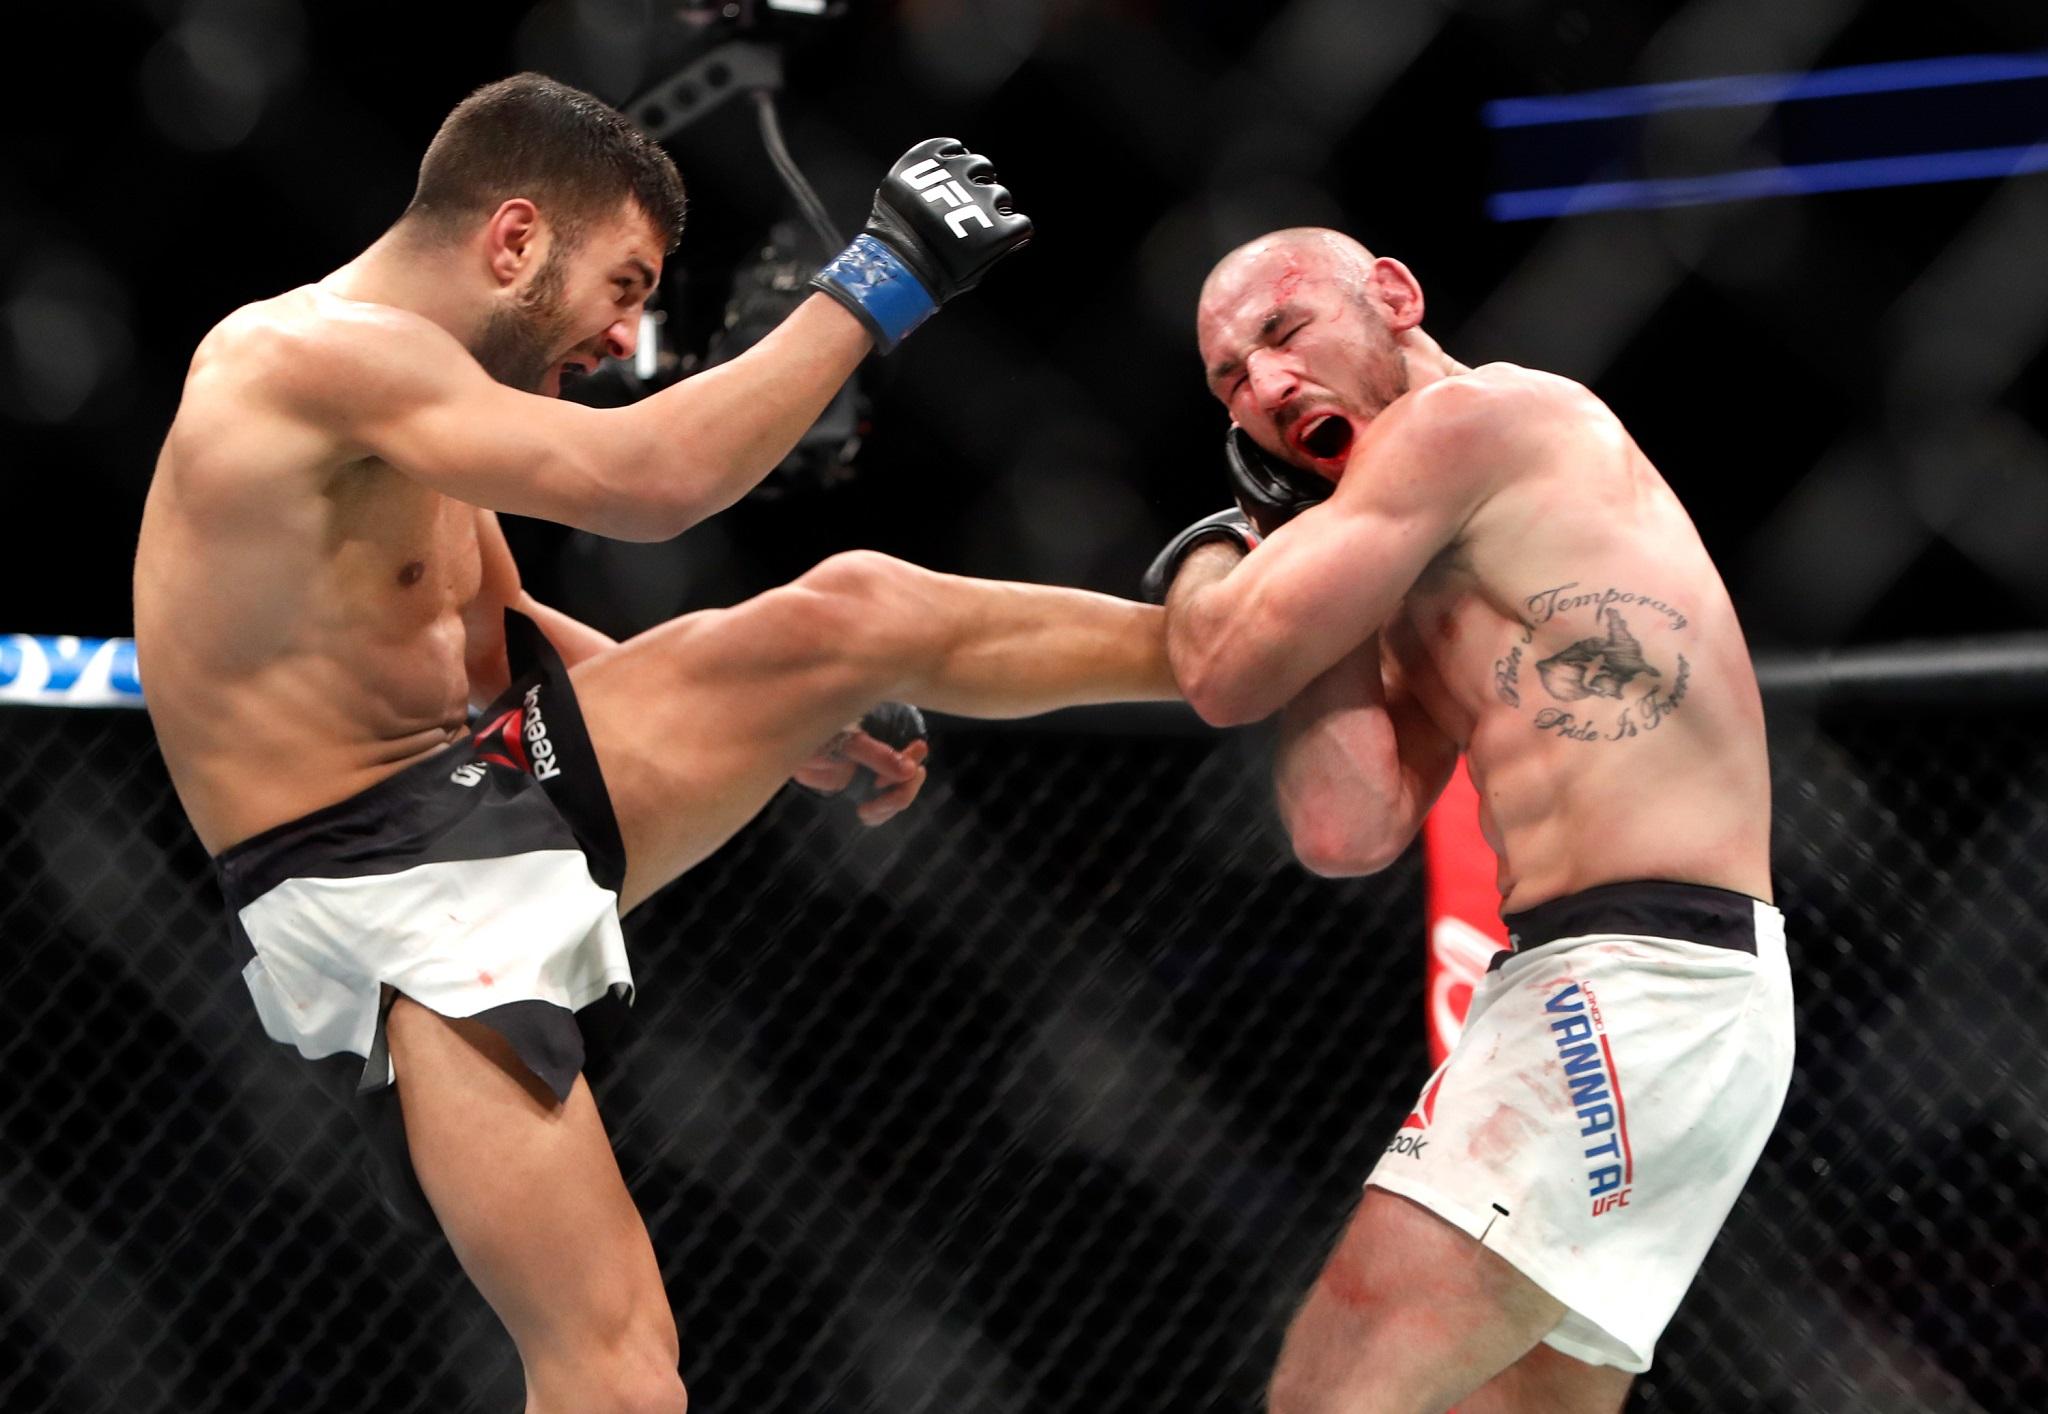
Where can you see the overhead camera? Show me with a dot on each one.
(728, 49)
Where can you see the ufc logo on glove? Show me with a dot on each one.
(899, 269)
(927, 176)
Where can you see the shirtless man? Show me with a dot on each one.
(323, 594)
(1429, 559)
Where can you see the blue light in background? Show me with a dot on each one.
(1743, 90)
(1846, 172)
(1766, 181)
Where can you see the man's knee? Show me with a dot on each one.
(867, 580)
(869, 605)
(647, 1391)
(1545, 1381)
(857, 574)
(633, 1375)
(655, 1385)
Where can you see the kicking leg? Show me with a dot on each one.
(532, 1202)
(698, 722)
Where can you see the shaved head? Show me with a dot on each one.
(1304, 336)
(1330, 254)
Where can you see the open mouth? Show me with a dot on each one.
(1326, 438)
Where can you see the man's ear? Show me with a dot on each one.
(1398, 291)
(513, 239)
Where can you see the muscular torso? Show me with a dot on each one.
(307, 621)
(1578, 643)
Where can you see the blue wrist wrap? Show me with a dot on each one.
(873, 277)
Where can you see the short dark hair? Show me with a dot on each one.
(575, 156)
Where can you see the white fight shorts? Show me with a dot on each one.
(1617, 1077)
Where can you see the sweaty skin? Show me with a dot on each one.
(310, 620)
(319, 605)
(1499, 571)
(319, 588)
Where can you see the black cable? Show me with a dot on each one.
(785, 166)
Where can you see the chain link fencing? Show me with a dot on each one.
(1050, 1095)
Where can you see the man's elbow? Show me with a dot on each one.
(1219, 705)
(631, 504)
(618, 482)
(675, 502)
(1348, 862)
(662, 518)
(1221, 692)
(1333, 846)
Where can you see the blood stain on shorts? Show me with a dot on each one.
(1500, 1137)
(1543, 1085)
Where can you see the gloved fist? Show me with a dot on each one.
(896, 725)
(1269, 491)
(939, 222)
(1231, 525)
(878, 764)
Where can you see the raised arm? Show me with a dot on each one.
(380, 381)
(394, 385)
(1358, 765)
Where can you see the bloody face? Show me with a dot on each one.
(1299, 352)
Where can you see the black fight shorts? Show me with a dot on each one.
(482, 882)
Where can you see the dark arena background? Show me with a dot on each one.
(1052, 1094)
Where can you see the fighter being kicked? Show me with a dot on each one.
(1428, 559)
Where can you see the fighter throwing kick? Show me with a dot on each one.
(1429, 559)
(322, 593)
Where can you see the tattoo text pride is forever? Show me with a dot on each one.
(1608, 666)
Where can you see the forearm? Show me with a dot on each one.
(1015, 650)
(1336, 742)
(694, 449)
(1215, 660)
(1353, 775)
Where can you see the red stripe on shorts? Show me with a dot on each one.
(1628, 1158)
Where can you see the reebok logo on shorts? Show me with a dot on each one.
(1581, 1039)
(537, 744)
(499, 742)
(1411, 1140)
(517, 738)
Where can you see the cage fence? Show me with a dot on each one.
(1050, 1095)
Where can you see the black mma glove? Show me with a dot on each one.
(1231, 525)
(1269, 491)
(939, 222)
(894, 724)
